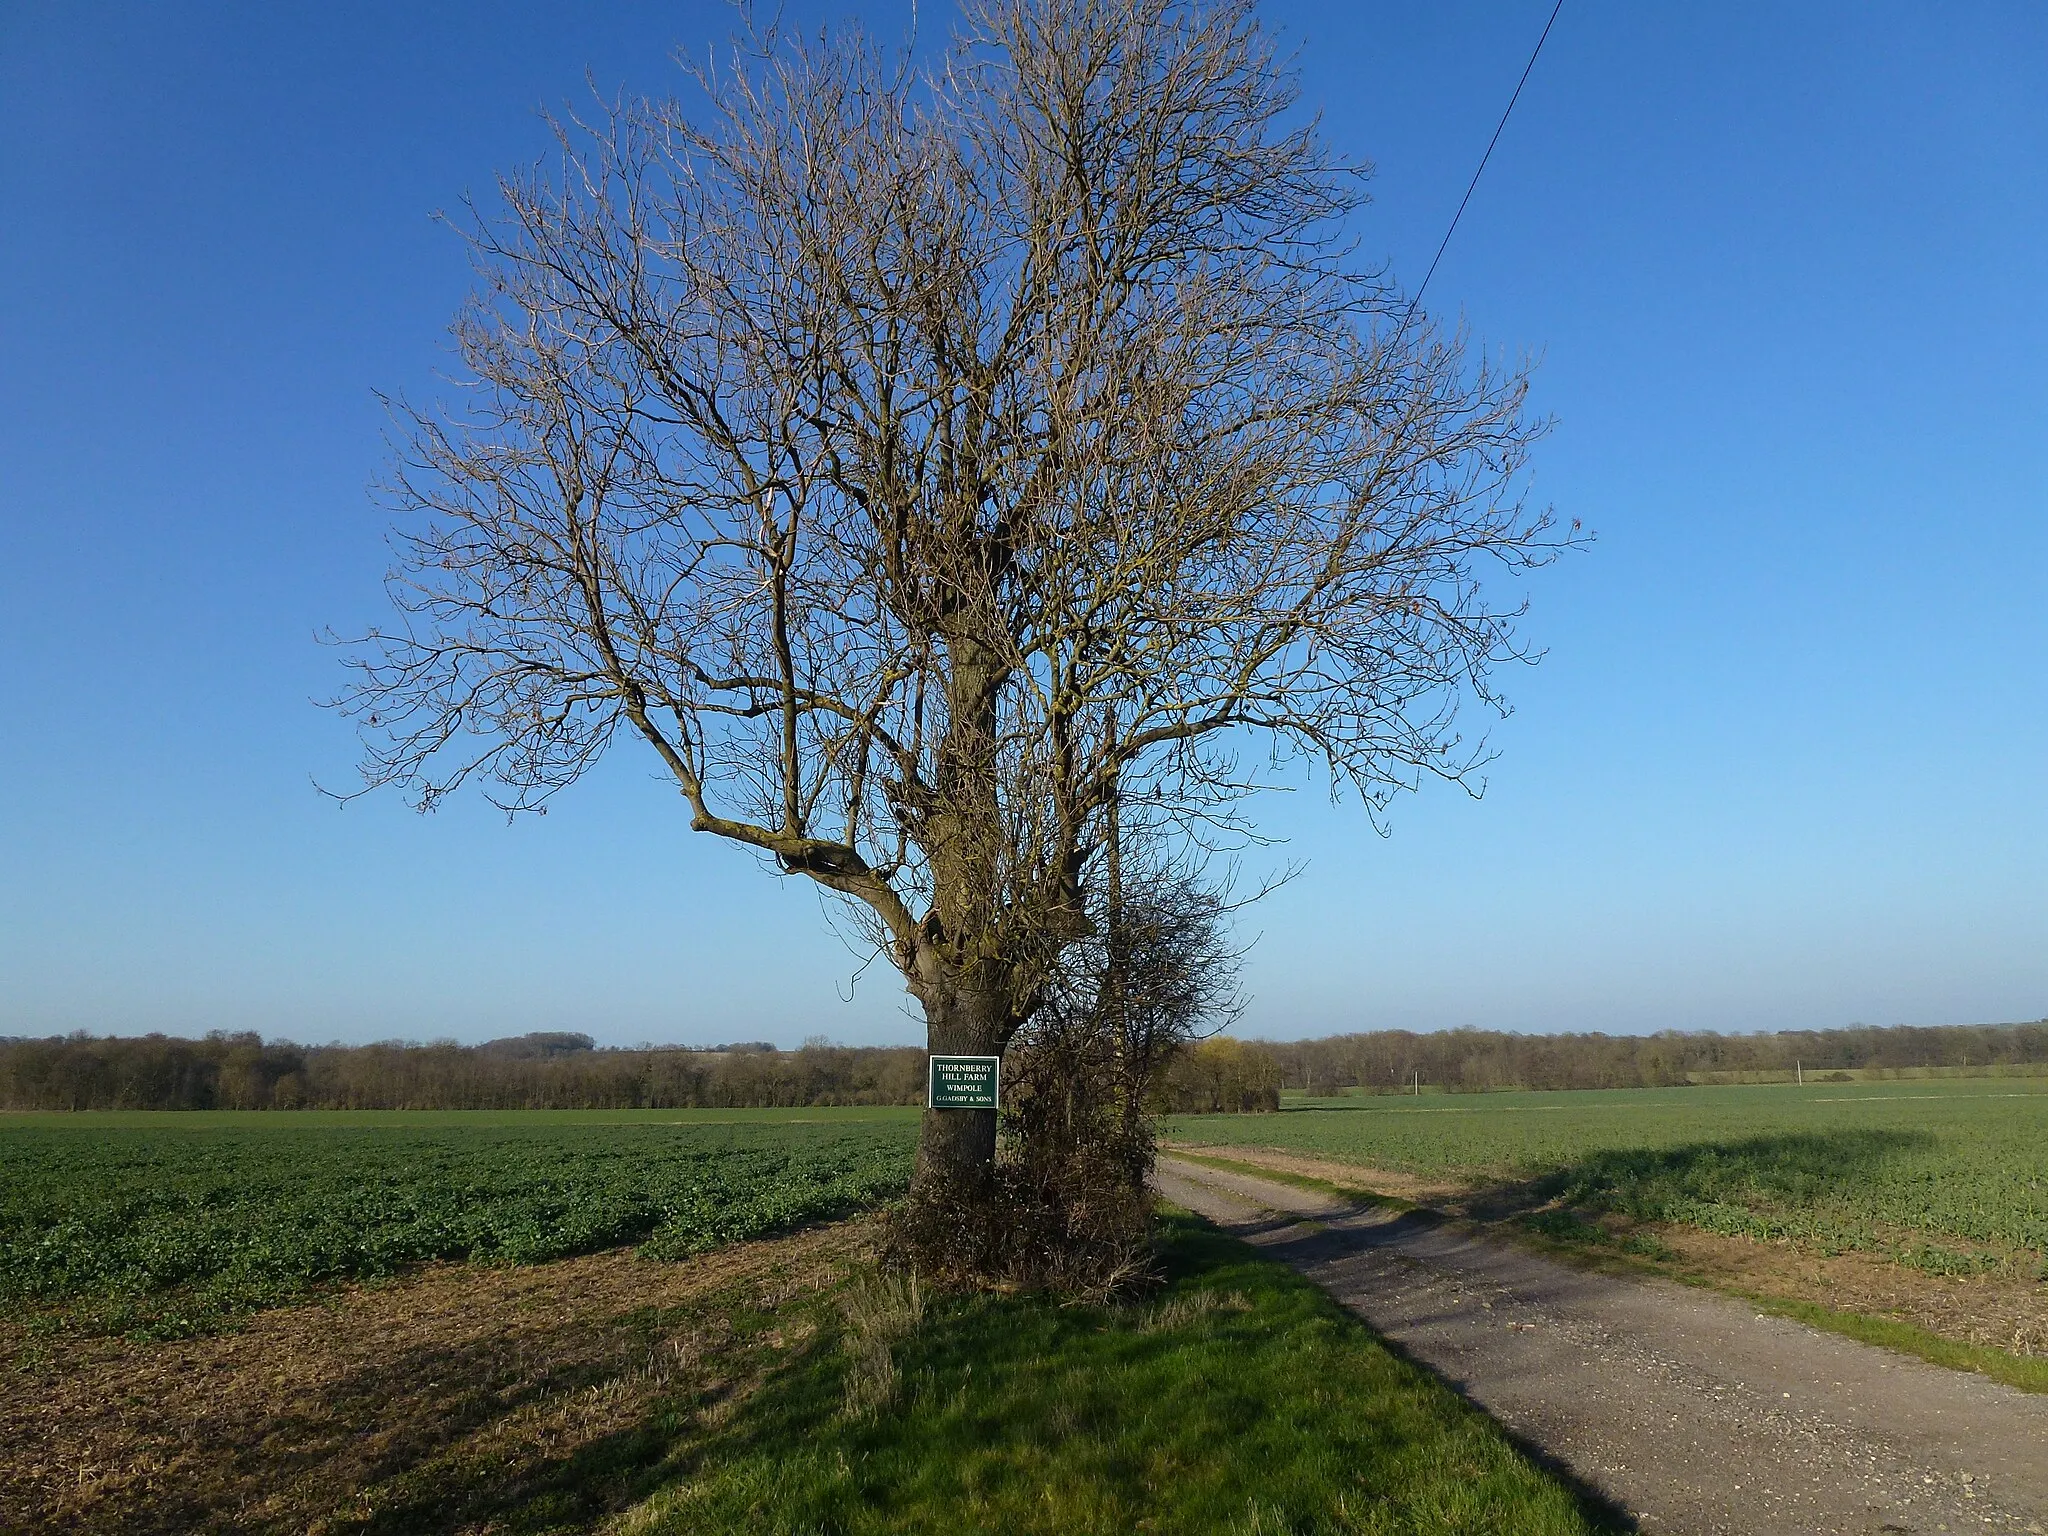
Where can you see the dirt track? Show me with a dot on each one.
(1685, 1408)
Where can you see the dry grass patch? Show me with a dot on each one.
(458, 1398)
(2004, 1311)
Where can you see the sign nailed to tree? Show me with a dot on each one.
(964, 1082)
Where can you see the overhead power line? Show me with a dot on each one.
(1474, 183)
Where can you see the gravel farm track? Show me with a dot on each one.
(1684, 1408)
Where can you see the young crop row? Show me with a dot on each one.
(166, 1231)
(1872, 1190)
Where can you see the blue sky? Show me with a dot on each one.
(1782, 767)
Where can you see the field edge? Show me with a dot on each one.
(2022, 1372)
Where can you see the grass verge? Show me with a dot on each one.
(1239, 1398)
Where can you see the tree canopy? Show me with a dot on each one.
(928, 465)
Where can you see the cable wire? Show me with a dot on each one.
(1474, 183)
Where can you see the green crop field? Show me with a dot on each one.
(170, 1223)
(164, 1224)
(1951, 1177)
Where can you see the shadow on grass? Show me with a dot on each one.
(462, 1437)
(1239, 1397)
(1732, 1186)
(572, 1492)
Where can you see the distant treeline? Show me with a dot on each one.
(567, 1071)
(548, 1071)
(1478, 1061)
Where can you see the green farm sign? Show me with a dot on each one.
(964, 1082)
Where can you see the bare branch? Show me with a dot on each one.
(921, 466)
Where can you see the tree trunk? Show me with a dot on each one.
(967, 996)
(956, 1150)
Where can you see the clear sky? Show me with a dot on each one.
(1784, 765)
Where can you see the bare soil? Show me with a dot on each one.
(1380, 1181)
(470, 1399)
(1684, 1407)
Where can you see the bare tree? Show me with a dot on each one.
(922, 464)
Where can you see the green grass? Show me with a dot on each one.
(160, 1225)
(1239, 1399)
(1947, 1176)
